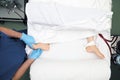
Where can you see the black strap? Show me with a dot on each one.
(106, 41)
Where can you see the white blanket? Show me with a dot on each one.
(54, 22)
(66, 17)
(98, 4)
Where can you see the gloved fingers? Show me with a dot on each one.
(35, 54)
(29, 40)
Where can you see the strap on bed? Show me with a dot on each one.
(106, 41)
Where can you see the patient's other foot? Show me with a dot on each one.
(94, 49)
(43, 46)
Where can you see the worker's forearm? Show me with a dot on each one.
(10, 32)
(23, 69)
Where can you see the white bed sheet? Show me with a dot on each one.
(70, 61)
(70, 70)
(75, 50)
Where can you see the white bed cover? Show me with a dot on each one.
(61, 66)
(54, 22)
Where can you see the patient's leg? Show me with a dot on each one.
(91, 47)
(43, 46)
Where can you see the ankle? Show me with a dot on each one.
(91, 43)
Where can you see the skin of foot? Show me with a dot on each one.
(94, 49)
(43, 46)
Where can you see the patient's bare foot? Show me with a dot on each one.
(43, 46)
(94, 49)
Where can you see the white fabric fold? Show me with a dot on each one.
(98, 4)
(58, 16)
(52, 22)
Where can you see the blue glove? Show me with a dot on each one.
(35, 54)
(29, 40)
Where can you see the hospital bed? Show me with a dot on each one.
(67, 58)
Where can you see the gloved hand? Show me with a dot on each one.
(35, 54)
(29, 40)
